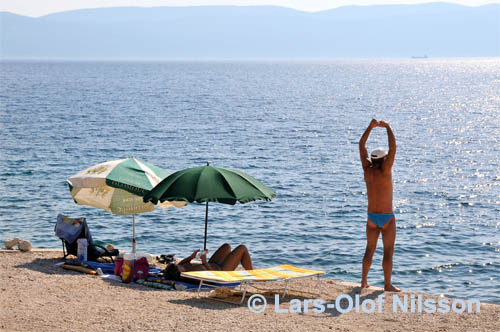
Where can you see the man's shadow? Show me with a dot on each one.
(344, 303)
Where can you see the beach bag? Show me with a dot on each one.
(118, 266)
(141, 268)
(132, 270)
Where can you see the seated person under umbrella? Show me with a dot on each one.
(222, 260)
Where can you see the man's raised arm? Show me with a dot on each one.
(363, 154)
(392, 143)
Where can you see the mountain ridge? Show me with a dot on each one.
(436, 29)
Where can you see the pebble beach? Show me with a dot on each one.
(36, 295)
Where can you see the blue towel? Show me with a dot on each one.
(109, 268)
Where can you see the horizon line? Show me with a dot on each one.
(236, 5)
(241, 59)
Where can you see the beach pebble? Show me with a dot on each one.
(10, 243)
(25, 245)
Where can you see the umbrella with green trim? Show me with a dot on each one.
(209, 184)
(118, 186)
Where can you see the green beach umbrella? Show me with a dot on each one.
(118, 186)
(209, 184)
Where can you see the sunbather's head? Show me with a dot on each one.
(172, 272)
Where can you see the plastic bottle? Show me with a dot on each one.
(129, 256)
(82, 249)
(201, 253)
(137, 255)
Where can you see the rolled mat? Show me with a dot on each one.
(78, 269)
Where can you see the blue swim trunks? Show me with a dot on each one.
(380, 219)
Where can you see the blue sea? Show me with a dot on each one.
(295, 126)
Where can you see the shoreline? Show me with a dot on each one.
(36, 295)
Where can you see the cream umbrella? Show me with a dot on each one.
(118, 186)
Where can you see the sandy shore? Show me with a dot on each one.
(35, 295)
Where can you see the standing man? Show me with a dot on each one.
(378, 178)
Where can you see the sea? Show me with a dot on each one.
(293, 125)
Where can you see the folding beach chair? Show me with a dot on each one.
(246, 278)
(69, 230)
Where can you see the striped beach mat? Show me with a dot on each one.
(277, 273)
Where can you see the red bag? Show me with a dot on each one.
(141, 268)
(118, 266)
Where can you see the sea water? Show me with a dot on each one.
(293, 125)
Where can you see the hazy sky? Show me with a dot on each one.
(39, 8)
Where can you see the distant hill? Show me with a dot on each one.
(434, 29)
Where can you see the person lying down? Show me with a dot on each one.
(222, 260)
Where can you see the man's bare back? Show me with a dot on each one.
(378, 178)
(379, 189)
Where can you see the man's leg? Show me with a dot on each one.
(389, 238)
(237, 256)
(372, 234)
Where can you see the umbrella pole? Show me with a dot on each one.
(206, 223)
(133, 233)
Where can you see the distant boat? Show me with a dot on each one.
(419, 56)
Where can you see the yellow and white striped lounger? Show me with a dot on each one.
(248, 277)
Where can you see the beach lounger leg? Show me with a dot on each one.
(199, 288)
(284, 290)
(244, 292)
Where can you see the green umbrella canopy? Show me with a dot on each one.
(209, 184)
